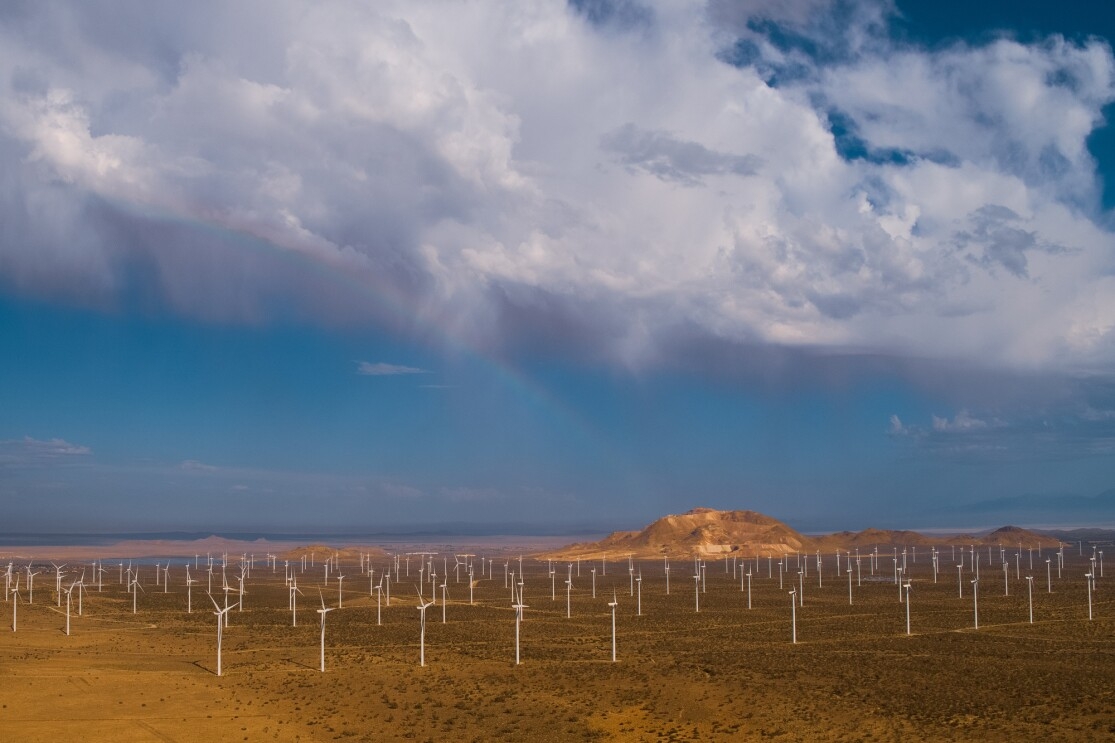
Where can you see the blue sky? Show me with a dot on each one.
(545, 265)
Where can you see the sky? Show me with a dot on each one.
(544, 265)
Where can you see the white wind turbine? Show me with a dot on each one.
(134, 585)
(15, 604)
(975, 601)
(639, 580)
(444, 595)
(749, 587)
(226, 589)
(594, 582)
(80, 591)
(907, 586)
(323, 611)
(31, 584)
(294, 591)
(220, 614)
(793, 616)
(697, 591)
(518, 607)
(1030, 591)
(58, 583)
(613, 603)
(379, 595)
(189, 591)
(69, 602)
(422, 606)
(1088, 578)
(340, 590)
(240, 599)
(568, 596)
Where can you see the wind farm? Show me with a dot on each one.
(636, 370)
(750, 655)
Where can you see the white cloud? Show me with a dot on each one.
(29, 451)
(382, 369)
(505, 172)
(963, 422)
(896, 426)
(192, 465)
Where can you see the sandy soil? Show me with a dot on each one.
(725, 673)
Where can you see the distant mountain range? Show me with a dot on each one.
(713, 533)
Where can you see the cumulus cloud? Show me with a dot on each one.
(192, 465)
(963, 422)
(670, 159)
(1061, 430)
(604, 179)
(29, 451)
(382, 369)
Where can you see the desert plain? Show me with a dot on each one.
(723, 672)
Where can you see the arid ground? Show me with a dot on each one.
(724, 673)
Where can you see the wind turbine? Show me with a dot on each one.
(614, 603)
(422, 606)
(134, 585)
(294, 591)
(639, 580)
(189, 591)
(793, 616)
(1030, 591)
(340, 590)
(323, 611)
(444, 595)
(80, 591)
(240, 599)
(31, 584)
(69, 602)
(748, 587)
(907, 586)
(58, 583)
(220, 613)
(975, 601)
(518, 607)
(379, 595)
(1088, 578)
(697, 590)
(15, 603)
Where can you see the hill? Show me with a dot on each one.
(701, 531)
(711, 533)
